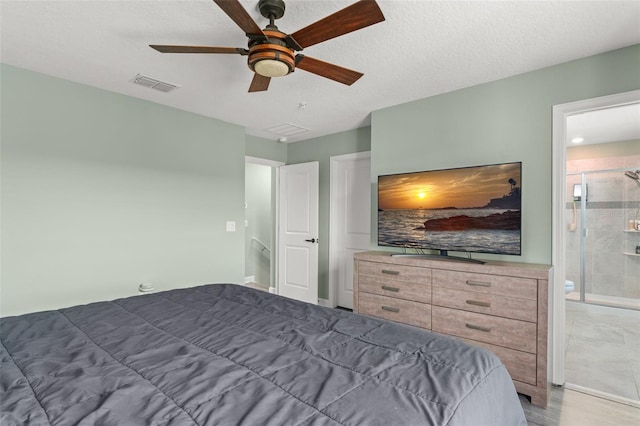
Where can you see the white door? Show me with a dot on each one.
(298, 232)
(350, 220)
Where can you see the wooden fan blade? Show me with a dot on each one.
(259, 83)
(327, 70)
(240, 16)
(351, 18)
(198, 49)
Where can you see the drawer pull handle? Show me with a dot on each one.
(478, 327)
(390, 272)
(479, 283)
(390, 309)
(386, 287)
(479, 303)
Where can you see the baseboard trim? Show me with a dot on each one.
(250, 279)
(324, 302)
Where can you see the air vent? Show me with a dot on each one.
(287, 129)
(152, 83)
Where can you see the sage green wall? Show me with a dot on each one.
(322, 149)
(101, 192)
(265, 148)
(502, 121)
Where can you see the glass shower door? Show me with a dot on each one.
(609, 266)
(602, 237)
(573, 238)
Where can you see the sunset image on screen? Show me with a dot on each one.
(457, 188)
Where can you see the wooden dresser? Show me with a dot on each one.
(500, 306)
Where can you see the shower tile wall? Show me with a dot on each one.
(613, 200)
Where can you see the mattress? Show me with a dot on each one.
(224, 354)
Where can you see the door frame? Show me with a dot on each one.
(275, 188)
(557, 295)
(335, 206)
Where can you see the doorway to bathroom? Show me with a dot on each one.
(598, 263)
(603, 270)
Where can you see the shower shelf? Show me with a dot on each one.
(631, 254)
(631, 230)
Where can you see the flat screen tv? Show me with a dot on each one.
(467, 209)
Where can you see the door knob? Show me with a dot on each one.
(312, 240)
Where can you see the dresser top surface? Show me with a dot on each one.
(531, 270)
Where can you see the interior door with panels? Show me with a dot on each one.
(350, 220)
(298, 232)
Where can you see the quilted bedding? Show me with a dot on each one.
(223, 354)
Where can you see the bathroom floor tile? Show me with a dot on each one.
(603, 349)
(597, 331)
(604, 367)
(607, 357)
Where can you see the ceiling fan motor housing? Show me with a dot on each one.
(271, 8)
(271, 58)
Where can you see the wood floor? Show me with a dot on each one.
(571, 408)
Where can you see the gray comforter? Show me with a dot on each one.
(224, 354)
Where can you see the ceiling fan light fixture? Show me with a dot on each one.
(271, 60)
(271, 68)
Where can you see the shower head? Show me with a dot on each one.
(633, 175)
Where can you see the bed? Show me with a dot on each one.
(224, 354)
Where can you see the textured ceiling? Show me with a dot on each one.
(422, 49)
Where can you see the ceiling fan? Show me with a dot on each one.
(271, 52)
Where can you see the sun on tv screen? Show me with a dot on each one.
(468, 209)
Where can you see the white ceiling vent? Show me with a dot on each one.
(287, 129)
(152, 83)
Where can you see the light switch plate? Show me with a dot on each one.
(231, 226)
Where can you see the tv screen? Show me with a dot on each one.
(468, 209)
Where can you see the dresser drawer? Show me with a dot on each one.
(405, 311)
(396, 272)
(503, 332)
(486, 303)
(520, 365)
(384, 286)
(524, 288)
